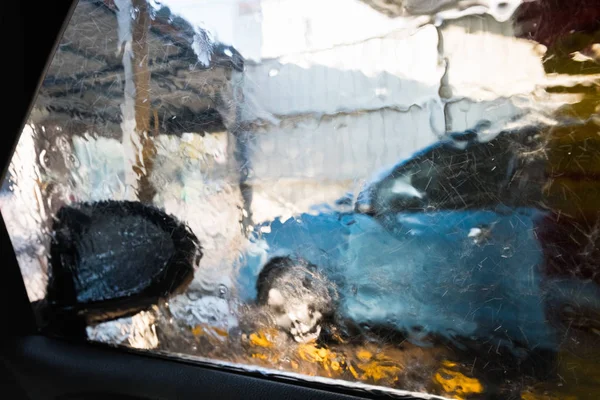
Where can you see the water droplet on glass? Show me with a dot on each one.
(222, 291)
(507, 252)
(44, 159)
(73, 161)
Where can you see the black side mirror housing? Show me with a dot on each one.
(112, 259)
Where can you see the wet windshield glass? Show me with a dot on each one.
(399, 195)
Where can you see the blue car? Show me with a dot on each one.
(462, 265)
(455, 274)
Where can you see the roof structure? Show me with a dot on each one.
(190, 75)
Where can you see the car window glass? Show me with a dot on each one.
(392, 194)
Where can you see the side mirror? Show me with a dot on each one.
(112, 259)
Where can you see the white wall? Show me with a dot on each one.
(341, 147)
(396, 71)
(336, 112)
